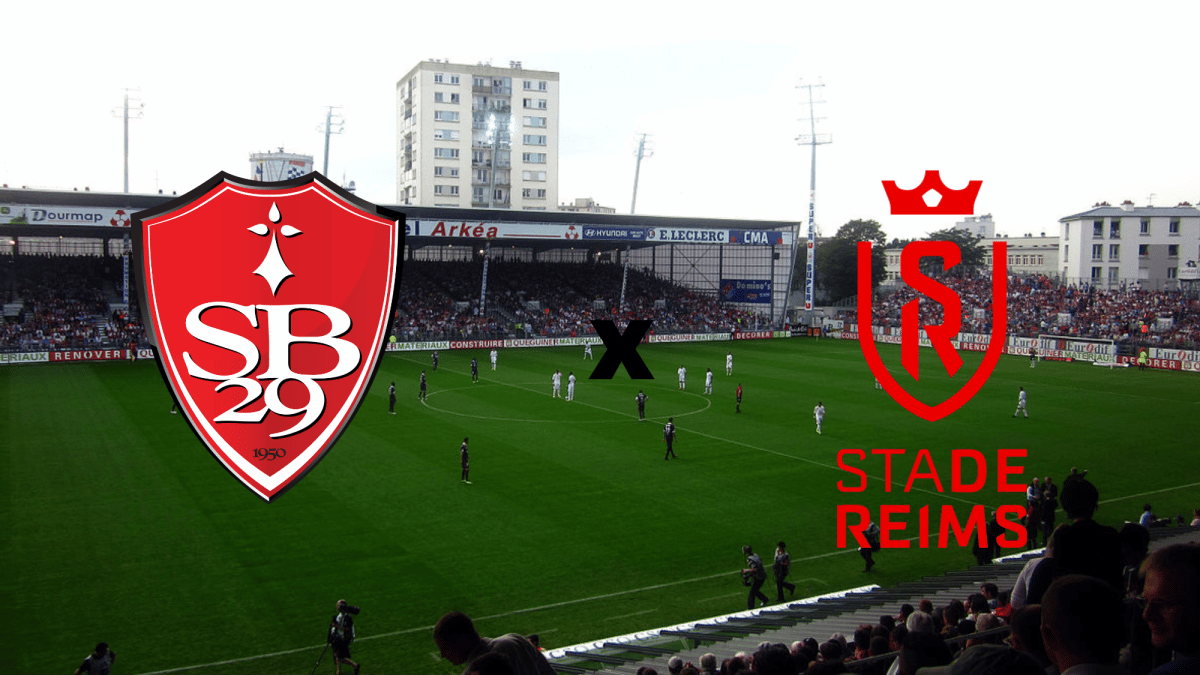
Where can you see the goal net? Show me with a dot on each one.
(1099, 351)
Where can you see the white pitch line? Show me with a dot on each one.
(719, 597)
(1152, 492)
(626, 616)
(231, 661)
(753, 447)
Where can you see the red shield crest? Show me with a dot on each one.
(939, 336)
(268, 305)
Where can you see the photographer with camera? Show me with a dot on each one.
(754, 575)
(341, 634)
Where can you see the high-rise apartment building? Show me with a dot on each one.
(477, 136)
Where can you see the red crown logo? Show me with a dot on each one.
(947, 201)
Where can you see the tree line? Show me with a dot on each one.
(836, 265)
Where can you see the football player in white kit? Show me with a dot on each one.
(587, 351)
(729, 363)
(556, 379)
(1021, 404)
(682, 378)
(571, 386)
(708, 382)
(493, 355)
(818, 415)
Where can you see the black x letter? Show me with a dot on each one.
(621, 349)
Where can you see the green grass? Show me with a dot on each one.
(119, 526)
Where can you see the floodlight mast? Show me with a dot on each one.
(643, 152)
(812, 139)
(332, 125)
(625, 277)
(125, 114)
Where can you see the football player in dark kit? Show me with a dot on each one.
(424, 386)
(474, 369)
(754, 575)
(872, 535)
(392, 398)
(466, 462)
(669, 437)
(435, 359)
(641, 403)
(739, 397)
(783, 565)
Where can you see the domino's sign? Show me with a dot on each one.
(756, 291)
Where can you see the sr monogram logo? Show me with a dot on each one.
(941, 336)
(268, 304)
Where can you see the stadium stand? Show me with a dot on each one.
(73, 301)
(53, 301)
(440, 300)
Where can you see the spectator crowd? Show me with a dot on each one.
(1039, 305)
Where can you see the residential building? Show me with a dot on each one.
(1114, 246)
(1028, 254)
(477, 136)
(981, 226)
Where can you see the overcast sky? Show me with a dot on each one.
(1054, 106)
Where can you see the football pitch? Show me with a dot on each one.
(118, 525)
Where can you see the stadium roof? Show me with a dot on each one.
(137, 202)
